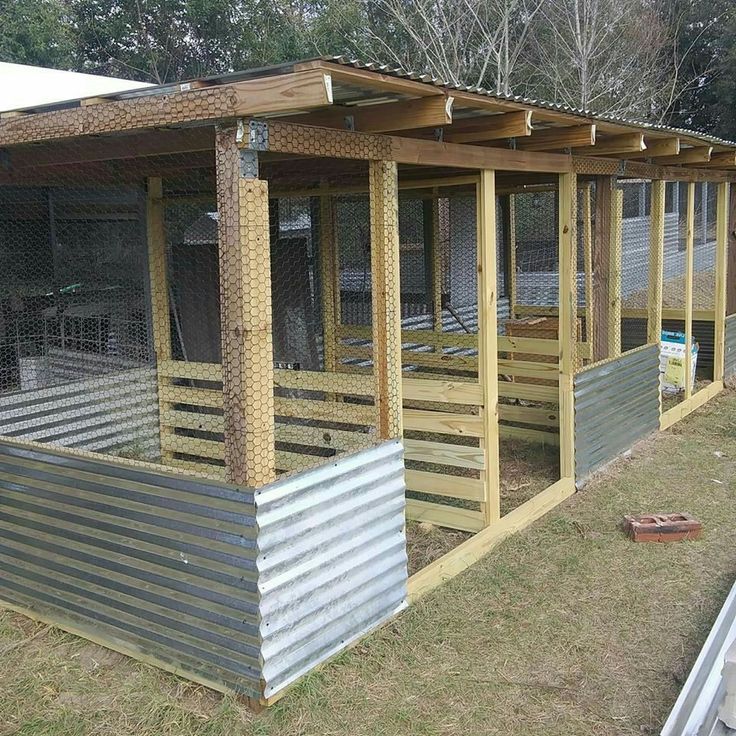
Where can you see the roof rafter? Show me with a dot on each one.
(491, 128)
(695, 155)
(552, 139)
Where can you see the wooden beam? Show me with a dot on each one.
(567, 239)
(614, 274)
(601, 264)
(246, 319)
(689, 270)
(159, 286)
(386, 297)
(720, 160)
(288, 92)
(487, 343)
(491, 128)
(512, 286)
(425, 112)
(373, 80)
(329, 280)
(657, 147)
(552, 139)
(719, 351)
(587, 216)
(615, 145)
(656, 263)
(696, 155)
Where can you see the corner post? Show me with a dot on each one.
(614, 275)
(567, 239)
(246, 317)
(689, 263)
(488, 342)
(719, 305)
(386, 296)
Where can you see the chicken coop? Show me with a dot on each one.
(255, 328)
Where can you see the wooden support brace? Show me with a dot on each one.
(329, 280)
(722, 200)
(689, 269)
(656, 263)
(512, 287)
(487, 342)
(614, 275)
(568, 319)
(601, 264)
(245, 305)
(386, 296)
(587, 215)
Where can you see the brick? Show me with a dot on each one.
(662, 527)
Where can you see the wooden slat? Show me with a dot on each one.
(449, 486)
(442, 515)
(414, 357)
(528, 415)
(534, 345)
(450, 392)
(444, 453)
(529, 435)
(528, 392)
(528, 369)
(465, 425)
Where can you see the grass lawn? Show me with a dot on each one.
(567, 628)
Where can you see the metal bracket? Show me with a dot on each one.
(258, 135)
(248, 163)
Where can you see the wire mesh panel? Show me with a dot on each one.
(76, 358)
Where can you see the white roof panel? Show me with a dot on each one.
(23, 86)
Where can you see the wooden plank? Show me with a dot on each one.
(615, 145)
(689, 270)
(538, 436)
(656, 262)
(469, 552)
(587, 216)
(414, 357)
(427, 112)
(528, 392)
(695, 155)
(462, 425)
(601, 264)
(528, 369)
(246, 318)
(487, 346)
(386, 296)
(439, 484)
(537, 346)
(491, 128)
(444, 391)
(443, 515)
(559, 138)
(615, 273)
(702, 397)
(567, 200)
(721, 160)
(657, 147)
(719, 350)
(528, 415)
(443, 453)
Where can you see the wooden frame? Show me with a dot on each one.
(689, 263)
(722, 212)
(615, 253)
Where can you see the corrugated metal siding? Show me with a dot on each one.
(616, 404)
(331, 559)
(165, 564)
(730, 367)
(106, 413)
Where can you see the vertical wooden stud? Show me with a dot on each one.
(488, 342)
(158, 275)
(731, 257)
(328, 280)
(719, 324)
(588, 266)
(689, 249)
(614, 274)
(432, 259)
(246, 314)
(567, 202)
(513, 293)
(601, 264)
(386, 296)
(656, 263)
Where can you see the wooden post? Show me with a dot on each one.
(588, 266)
(513, 293)
(601, 264)
(614, 274)
(246, 317)
(488, 342)
(432, 262)
(731, 267)
(656, 263)
(567, 202)
(386, 296)
(719, 305)
(158, 275)
(328, 280)
(689, 243)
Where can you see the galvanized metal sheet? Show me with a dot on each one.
(161, 562)
(331, 559)
(634, 334)
(616, 404)
(730, 356)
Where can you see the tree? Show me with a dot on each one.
(35, 32)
